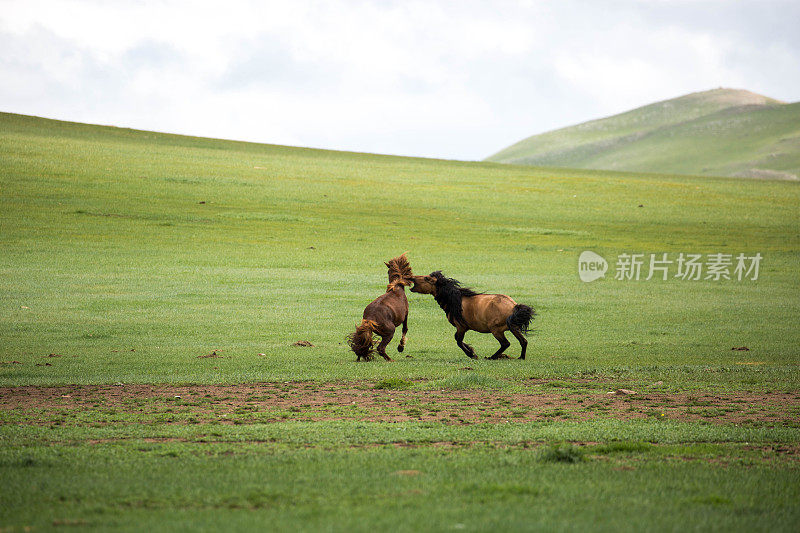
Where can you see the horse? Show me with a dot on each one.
(384, 314)
(477, 311)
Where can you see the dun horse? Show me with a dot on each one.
(385, 313)
(470, 310)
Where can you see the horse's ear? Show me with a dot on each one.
(387, 264)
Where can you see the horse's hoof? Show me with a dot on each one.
(400, 348)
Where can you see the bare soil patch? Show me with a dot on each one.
(358, 400)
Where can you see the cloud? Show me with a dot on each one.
(438, 79)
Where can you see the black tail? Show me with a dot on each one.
(520, 318)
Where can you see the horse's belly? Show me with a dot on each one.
(480, 328)
(488, 312)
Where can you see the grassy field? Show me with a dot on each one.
(130, 255)
(264, 477)
(722, 132)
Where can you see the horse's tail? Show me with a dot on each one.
(520, 318)
(360, 340)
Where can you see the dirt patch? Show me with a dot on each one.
(303, 343)
(358, 400)
(790, 449)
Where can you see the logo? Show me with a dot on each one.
(666, 265)
(591, 266)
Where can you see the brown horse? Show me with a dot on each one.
(385, 313)
(484, 313)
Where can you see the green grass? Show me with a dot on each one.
(106, 249)
(130, 255)
(393, 383)
(348, 476)
(721, 132)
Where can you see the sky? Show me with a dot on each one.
(444, 79)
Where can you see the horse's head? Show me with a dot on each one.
(426, 284)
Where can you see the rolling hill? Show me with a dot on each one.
(724, 132)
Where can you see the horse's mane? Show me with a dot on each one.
(449, 293)
(399, 272)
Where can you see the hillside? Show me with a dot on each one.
(154, 287)
(721, 132)
(116, 239)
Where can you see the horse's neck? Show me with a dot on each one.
(397, 286)
(448, 303)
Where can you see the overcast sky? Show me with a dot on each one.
(437, 79)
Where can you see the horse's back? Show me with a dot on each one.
(389, 307)
(487, 312)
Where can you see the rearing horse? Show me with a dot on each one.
(384, 313)
(477, 311)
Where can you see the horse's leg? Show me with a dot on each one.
(386, 338)
(501, 338)
(461, 344)
(402, 345)
(522, 341)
